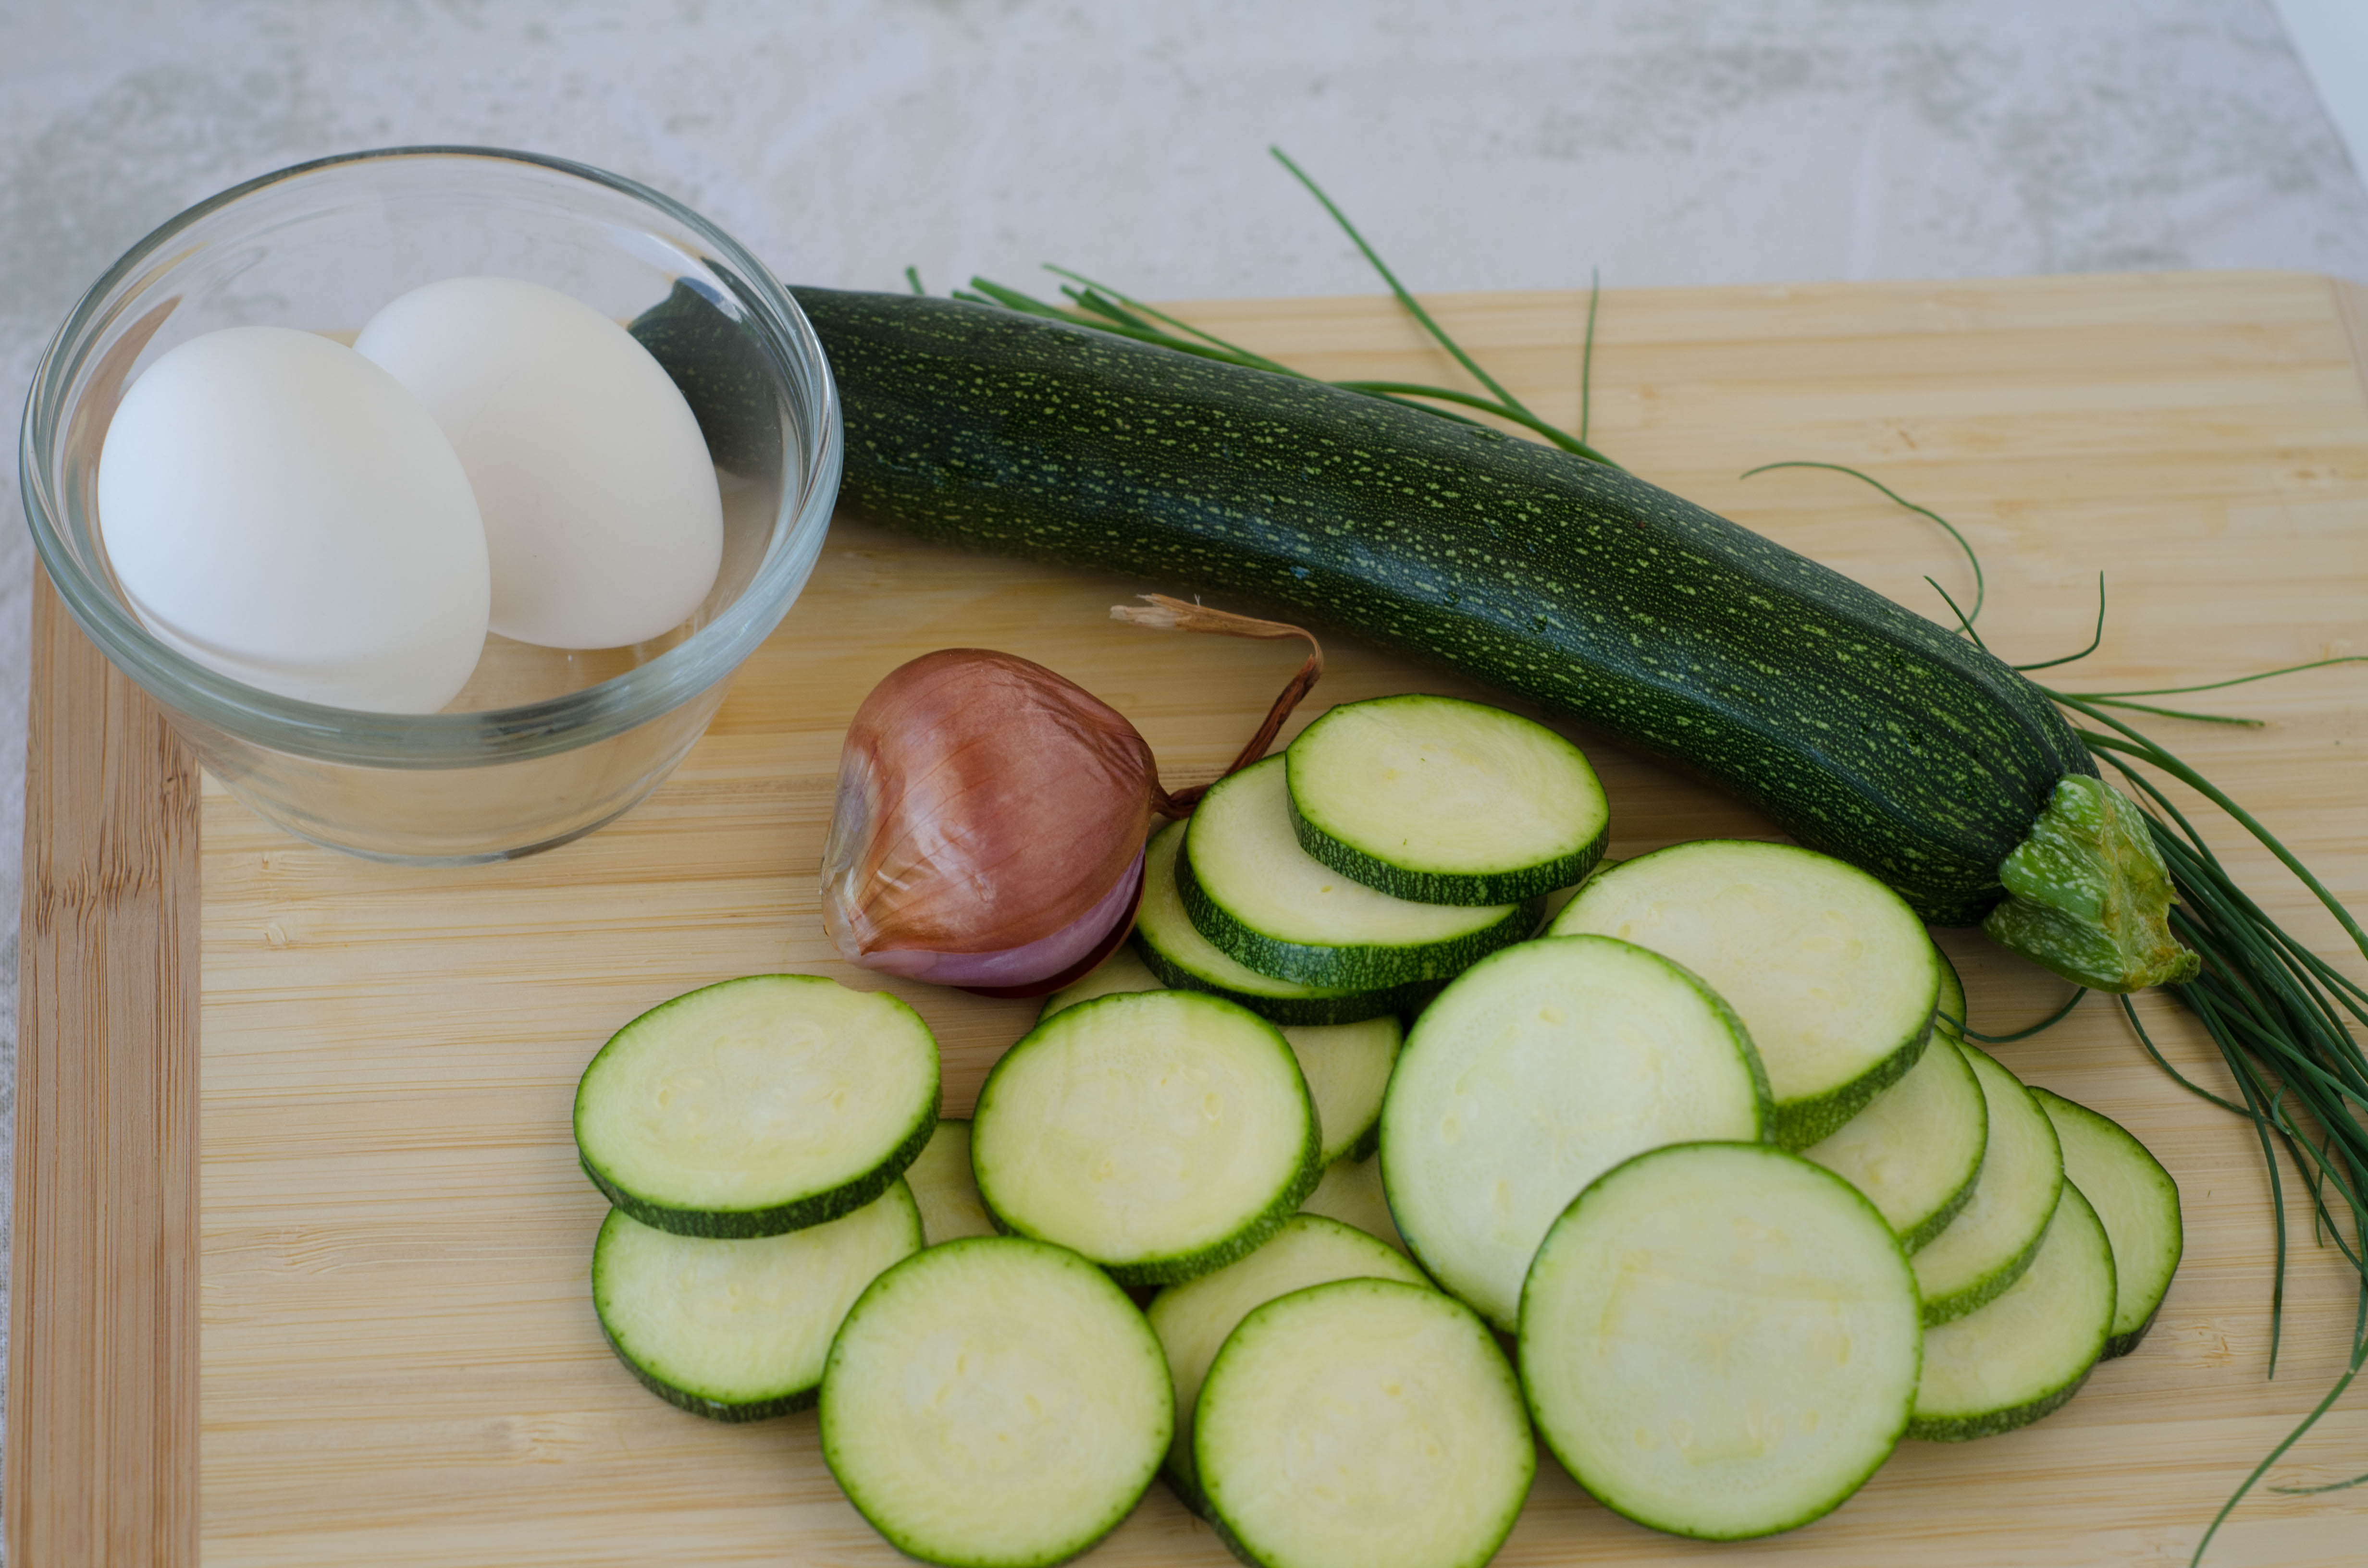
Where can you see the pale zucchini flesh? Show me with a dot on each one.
(1347, 1065)
(1539, 1069)
(1442, 801)
(1193, 1319)
(1829, 969)
(1350, 1192)
(1916, 1150)
(1255, 893)
(1172, 947)
(1993, 1238)
(1720, 1340)
(1160, 1133)
(757, 1106)
(739, 1330)
(2021, 1355)
(941, 1185)
(995, 1402)
(1362, 1423)
(2138, 1202)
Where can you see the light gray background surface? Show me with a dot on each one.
(1483, 145)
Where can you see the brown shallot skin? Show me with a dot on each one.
(984, 802)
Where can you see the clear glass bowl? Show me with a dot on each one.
(545, 743)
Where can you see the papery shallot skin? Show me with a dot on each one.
(985, 804)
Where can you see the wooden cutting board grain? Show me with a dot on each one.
(396, 1356)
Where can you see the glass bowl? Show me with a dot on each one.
(545, 743)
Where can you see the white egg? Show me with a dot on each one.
(602, 518)
(282, 511)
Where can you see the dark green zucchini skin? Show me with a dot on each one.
(1860, 729)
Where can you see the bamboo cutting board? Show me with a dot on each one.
(394, 1354)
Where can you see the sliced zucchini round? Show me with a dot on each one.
(1831, 969)
(1916, 1150)
(1255, 893)
(1350, 1192)
(1123, 970)
(1347, 1065)
(1537, 1069)
(995, 1402)
(1193, 1319)
(738, 1329)
(1720, 1340)
(2138, 1202)
(1362, 1423)
(1440, 800)
(1347, 1069)
(757, 1106)
(2023, 1353)
(941, 1185)
(1996, 1235)
(1160, 1133)
(1174, 949)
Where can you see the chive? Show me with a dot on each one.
(2095, 641)
(2044, 1024)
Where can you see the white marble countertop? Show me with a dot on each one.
(1495, 144)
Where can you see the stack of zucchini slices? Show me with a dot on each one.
(1712, 1149)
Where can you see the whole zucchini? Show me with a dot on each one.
(1858, 727)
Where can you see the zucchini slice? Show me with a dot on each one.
(1831, 969)
(1123, 970)
(1193, 1319)
(1255, 893)
(941, 1185)
(1160, 1133)
(2021, 1355)
(1174, 949)
(1350, 1192)
(1720, 1340)
(995, 1402)
(2138, 1202)
(1364, 1423)
(1346, 1065)
(1993, 1238)
(1537, 1069)
(1440, 800)
(738, 1329)
(757, 1106)
(1916, 1150)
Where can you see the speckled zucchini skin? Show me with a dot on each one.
(1860, 728)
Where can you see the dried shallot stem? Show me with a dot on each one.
(1162, 613)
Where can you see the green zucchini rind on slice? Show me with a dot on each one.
(1193, 1319)
(1916, 1150)
(1362, 1423)
(1350, 1192)
(1720, 1340)
(1993, 1238)
(1442, 801)
(995, 1402)
(1252, 891)
(941, 1185)
(1831, 969)
(1160, 1133)
(757, 1106)
(1174, 949)
(738, 1329)
(1539, 1069)
(2025, 1352)
(2138, 1202)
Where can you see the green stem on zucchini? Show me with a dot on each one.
(2089, 897)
